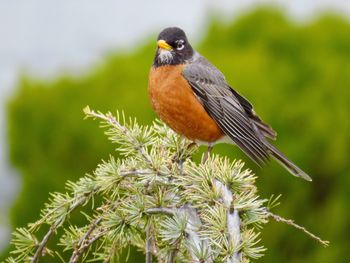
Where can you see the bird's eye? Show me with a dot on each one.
(180, 44)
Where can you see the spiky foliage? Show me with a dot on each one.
(157, 199)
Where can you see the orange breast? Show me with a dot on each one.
(173, 100)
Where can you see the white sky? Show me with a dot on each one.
(46, 37)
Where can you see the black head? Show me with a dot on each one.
(173, 47)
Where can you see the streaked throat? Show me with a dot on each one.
(165, 56)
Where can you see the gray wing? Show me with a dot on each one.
(233, 113)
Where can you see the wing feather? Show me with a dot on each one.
(233, 113)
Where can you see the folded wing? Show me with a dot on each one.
(233, 113)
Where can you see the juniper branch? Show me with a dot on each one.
(157, 199)
(56, 225)
(112, 121)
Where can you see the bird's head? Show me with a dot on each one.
(172, 47)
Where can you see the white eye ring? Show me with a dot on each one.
(180, 45)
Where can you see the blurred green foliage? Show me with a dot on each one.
(296, 75)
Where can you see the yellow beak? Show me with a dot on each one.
(164, 45)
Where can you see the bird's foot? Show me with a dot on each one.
(180, 156)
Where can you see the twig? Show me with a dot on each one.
(42, 244)
(85, 246)
(194, 241)
(149, 243)
(291, 223)
(161, 210)
(234, 233)
(140, 172)
(84, 242)
(233, 220)
(172, 255)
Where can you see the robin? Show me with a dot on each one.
(192, 97)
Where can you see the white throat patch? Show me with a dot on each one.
(165, 56)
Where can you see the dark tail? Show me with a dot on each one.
(285, 162)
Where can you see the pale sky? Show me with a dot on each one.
(46, 37)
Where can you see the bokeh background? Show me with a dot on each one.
(291, 59)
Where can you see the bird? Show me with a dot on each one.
(193, 98)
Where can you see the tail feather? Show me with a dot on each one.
(285, 162)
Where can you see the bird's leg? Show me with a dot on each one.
(179, 157)
(207, 153)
